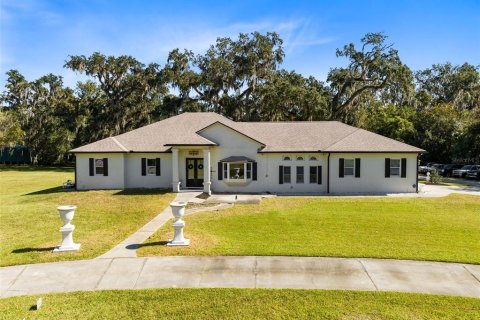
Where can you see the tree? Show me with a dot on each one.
(10, 131)
(375, 66)
(130, 90)
(445, 83)
(225, 78)
(290, 96)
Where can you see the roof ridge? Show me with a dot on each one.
(119, 144)
(348, 135)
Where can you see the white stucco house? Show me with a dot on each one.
(210, 152)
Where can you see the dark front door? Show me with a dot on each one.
(194, 173)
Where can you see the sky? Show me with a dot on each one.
(37, 36)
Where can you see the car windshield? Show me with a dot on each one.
(466, 167)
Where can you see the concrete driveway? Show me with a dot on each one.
(242, 272)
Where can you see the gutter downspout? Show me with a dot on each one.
(416, 183)
(328, 173)
(75, 157)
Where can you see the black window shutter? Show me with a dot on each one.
(254, 171)
(144, 166)
(91, 166)
(280, 174)
(387, 167)
(105, 167)
(319, 174)
(341, 165)
(404, 168)
(357, 167)
(157, 166)
(220, 171)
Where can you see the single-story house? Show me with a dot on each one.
(206, 151)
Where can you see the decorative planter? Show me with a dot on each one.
(67, 213)
(178, 211)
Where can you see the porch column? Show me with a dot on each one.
(206, 171)
(175, 175)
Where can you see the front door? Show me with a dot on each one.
(194, 173)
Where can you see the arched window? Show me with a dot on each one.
(313, 158)
(286, 158)
(299, 158)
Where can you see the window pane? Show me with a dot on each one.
(300, 158)
(286, 158)
(151, 170)
(313, 174)
(98, 170)
(150, 162)
(395, 163)
(313, 159)
(286, 175)
(249, 170)
(98, 162)
(348, 172)
(394, 171)
(349, 163)
(299, 174)
(237, 171)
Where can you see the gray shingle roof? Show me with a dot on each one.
(300, 136)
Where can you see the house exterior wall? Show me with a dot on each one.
(116, 172)
(133, 171)
(125, 169)
(372, 174)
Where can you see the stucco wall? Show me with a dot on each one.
(116, 172)
(372, 176)
(133, 171)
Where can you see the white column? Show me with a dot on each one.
(206, 172)
(175, 175)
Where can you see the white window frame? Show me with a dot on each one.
(247, 171)
(102, 166)
(399, 168)
(345, 167)
(149, 166)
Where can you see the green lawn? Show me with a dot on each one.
(29, 221)
(438, 229)
(240, 304)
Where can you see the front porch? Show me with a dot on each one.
(191, 168)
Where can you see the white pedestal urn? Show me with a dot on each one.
(66, 214)
(178, 210)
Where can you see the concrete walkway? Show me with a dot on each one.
(242, 272)
(128, 247)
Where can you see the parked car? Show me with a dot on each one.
(447, 169)
(422, 169)
(437, 167)
(462, 172)
(474, 172)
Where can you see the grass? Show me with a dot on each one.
(30, 223)
(240, 304)
(437, 229)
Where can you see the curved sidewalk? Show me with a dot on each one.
(242, 272)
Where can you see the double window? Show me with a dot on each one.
(314, 174)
